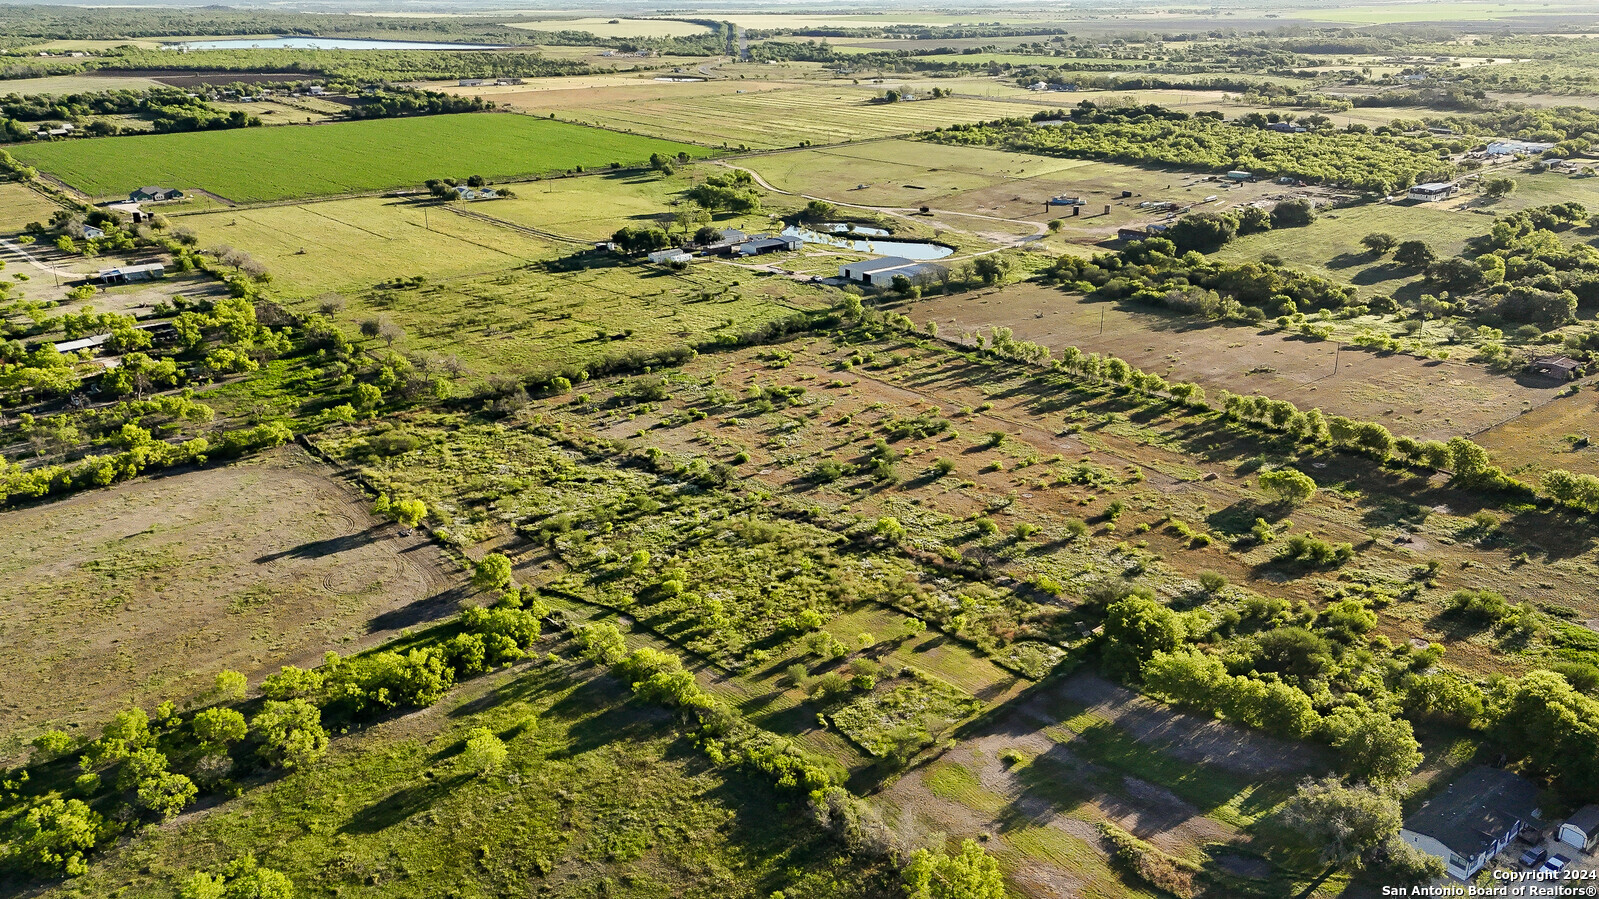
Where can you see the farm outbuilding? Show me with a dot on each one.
(1560, 368)
(128, 274)
(1434, 190)
(769, 244)
(669, 256)
(1473, 819)
(880, 272)
(1240, 175)
(1581, 830)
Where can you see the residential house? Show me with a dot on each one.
(462, 192)
(154, 194)
(1473, 819)
(90, 232)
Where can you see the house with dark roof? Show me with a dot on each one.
(1473, 819)
(145, 194)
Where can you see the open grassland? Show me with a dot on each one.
(784, 118)
(1419, 397)
(76, 84)
(517, 321)
(1330, 246)
(144, 592)
(271, 164)
(347, 245)
(600, 27)
(20, 205)
(597, 788)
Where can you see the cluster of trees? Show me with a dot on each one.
(731, 191)
(167, 109)
(1142, 135)
(159, 766)
(1522, 272)
(394, 102)
(1153, 272)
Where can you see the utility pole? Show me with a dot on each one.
(1102, 311)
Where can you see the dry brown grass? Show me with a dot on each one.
(141, 593)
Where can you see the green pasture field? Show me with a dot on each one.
(607, 27)
(251, 164)
(351, 244)
(517, 321)
(1331, 246)
(592, 208)
(597, 788)
(20, 205)
(785, 118)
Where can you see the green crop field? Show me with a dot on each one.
(273, 164)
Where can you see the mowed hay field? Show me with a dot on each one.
(142, 592)
(19, 206)
(784, 118)
(256, 164)
(352, 244)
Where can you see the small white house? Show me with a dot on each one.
(1435, 190)
(1581, 831)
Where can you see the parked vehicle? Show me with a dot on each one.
(1534, 857)
(1555, 865)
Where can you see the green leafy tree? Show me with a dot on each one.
(1288, 485)
(290, 732)
(410, 512)
(231, 686)
(492, 573)
(243, 878)
(167, 794)
(1372, 745)
(1414, 254)
(1347, 822)
(602, 643)
(54, 836)
(1379, 243)
(969, 874)
(1135, 629)
(216, 729)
